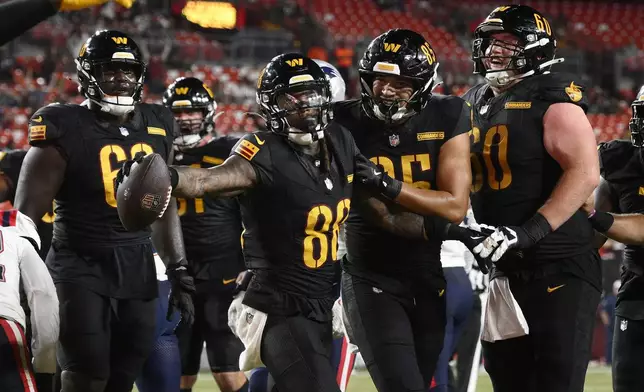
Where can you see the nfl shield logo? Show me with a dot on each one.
(124, 131)
(623, 325)
(394, 140)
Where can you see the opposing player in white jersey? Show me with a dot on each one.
(459, 302)
(22, 269)
(342, 357)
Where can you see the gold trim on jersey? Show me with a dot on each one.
(423, 136)
(156, 131)
(212, 160)
(641, 191)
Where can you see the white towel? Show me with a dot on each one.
(503, 316)
(248, 325)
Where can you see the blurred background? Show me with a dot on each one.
(226, 43)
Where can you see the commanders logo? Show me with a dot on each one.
(574, 92)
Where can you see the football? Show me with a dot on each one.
(144, 194)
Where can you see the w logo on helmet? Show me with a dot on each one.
(391, 47)
(295, 62)
(181, 90)
(120, 40)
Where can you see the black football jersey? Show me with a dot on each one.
(408, 153)
(622, 166)
(10, 164)
(292, 217)
(85, 209)
(211, 226)
(513, 174)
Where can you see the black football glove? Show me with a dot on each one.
(471, 239)
(124, 171)
(376, 179)
(182, 289)
(505, 238)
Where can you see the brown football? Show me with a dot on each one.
(145, 194)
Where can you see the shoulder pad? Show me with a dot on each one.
(348, 108)
(614, 157)
(252, 146)
(473, 95)
(560, 88)
(164, 115)
(450, 114)
(48, 123)
(10, 164)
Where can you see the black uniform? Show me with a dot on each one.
(393, 287)
(10, 164)
(622, 166)
(292, 218)
(557, 282)
(105, 276)
(212, 233)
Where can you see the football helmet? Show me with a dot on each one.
(187, 98)
(534, 53)
(636, 125)
(294, 97)
(111, 71)
(338, 86)
(402, 53)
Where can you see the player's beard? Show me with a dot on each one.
(304, 131)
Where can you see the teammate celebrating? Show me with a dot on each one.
(620, 191)
(104, 275)
(393, 286)
(534, 165)
(207, 223)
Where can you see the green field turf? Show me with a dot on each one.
(597, 380)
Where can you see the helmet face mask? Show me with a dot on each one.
(636, 124)
(512, 43)
(193, 105)
(111, 72)
(405, 55)
(294, 97)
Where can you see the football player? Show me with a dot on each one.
(10, 164)
(621, 191)
(393, 286)
(21, 269)
(18, 16)
(534, 165)
(342, 357)
(295, 186)
(207, 223)
(104, 275)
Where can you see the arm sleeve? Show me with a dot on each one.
(460, 111)
(18, 16)
(43, 303)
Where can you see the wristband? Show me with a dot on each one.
(601, 221)
(174, 177)
(537, 227)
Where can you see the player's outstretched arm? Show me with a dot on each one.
(231, 178)
(41, 176)
(569, 139)
(454, 178)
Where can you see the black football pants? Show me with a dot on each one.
(399, 338)
(560, 311)
(104, 338)
(628, 351)
(297, 351)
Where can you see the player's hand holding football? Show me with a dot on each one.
(124, 171)
(505, 238)
(375, 178)
(183, 287)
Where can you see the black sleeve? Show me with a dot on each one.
(18, 16)
(459, 112)
(47, 128)
(10, 164)
(254, 148)
(560, 88)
